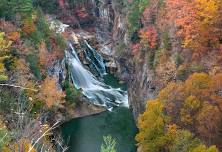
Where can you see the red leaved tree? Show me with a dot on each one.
(149, 36)
(197, 23)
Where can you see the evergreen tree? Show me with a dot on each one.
(109, 144)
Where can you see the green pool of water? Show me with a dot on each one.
(109, 79)
(86, 134)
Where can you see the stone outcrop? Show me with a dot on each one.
(112, 30)
(110, 27)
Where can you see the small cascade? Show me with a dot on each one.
(96, 91)
(95, 59)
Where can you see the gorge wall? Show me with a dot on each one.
(109, 20)
(112, 21)
(111, 27)
(154, 48)
(138, 75)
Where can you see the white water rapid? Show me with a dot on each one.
(96, 91)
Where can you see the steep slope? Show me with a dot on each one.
(159, 44)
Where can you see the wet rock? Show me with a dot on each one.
(58, 71)
(111, 67)
(113, 37)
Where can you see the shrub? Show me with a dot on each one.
(33, 61)
(166, 41)
(13, 36)
(28, 26)
(185, 70)
(60, 41)
(9, 9)
(136, 9)
(3, 136)
(72, 94)
(50, 94)
(121, 46)
(7, 100)
(196, 68)
(48, 6)
(151, 58)
(42, 25)
(5, 10)
(35, 37)
(37, 107)
(120, 5)
(3, 77)
(149, 37)
(9, 63)
(158, 54)
(182, 72)
(42, 31)
(178, 59)
(77, 2)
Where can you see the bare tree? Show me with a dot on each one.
(16, 86)
(35, 131)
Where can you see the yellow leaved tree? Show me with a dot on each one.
(151, 125)
(4, 48)
(25, 146)
(50, 93)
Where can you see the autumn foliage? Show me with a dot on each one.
(82, 12)
(142, 20)
(50, 93)
(198, 22)
(149, 36)
(13, 36)
(186, 115)
(157, 133)
(24, 145)
(194, 105)
(5, 46)
(27, 47)
(28, 26)
(43, 53)
(61, 3)
(47, 58)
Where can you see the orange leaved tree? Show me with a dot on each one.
(50, 93)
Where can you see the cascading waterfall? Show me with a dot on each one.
(97, 92)
(95, 59)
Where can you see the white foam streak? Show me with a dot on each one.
(98, 92)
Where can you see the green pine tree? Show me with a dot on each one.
(109, 144)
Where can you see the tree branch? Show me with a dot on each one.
(15, 86)
(43, 135)
(3, 138)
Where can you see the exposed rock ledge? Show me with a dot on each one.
(65, 113)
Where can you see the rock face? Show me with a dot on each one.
(139, 77)
(111, 30)
(108, 19)
(112, 33)
(58, 71)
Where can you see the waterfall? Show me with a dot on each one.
(95, 59)
(96, 91)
